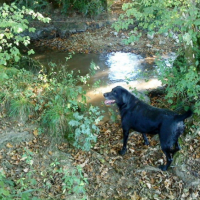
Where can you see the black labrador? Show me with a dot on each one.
(144, 118)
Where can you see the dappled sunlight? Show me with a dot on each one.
(95, 96)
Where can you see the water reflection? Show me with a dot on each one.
(123, 65)
(114, 69)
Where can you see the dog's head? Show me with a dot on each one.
(118, 95)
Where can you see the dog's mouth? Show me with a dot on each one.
(109, 102)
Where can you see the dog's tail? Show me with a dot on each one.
(184, 116)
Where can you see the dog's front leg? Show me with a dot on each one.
(125, 139)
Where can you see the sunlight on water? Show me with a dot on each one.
(123, 65)
(114, 69)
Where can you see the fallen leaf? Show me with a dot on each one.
(9, 145)
(26, 170)
(35, 132)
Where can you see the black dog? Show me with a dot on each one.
(141, 117)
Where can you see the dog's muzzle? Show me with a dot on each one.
(108, 101)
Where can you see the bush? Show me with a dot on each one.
(13, 23)
(56, 101)
(85, 7)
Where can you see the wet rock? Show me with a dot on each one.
(47, 33)
(81, 27)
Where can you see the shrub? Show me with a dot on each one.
(84, 129)
(13, 23)
(57, 101)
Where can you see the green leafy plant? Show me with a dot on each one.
(19, 189)
(85, 7)
(13, 24)
(37, 5)
(180, 20)
(84, 130)
(4, 183)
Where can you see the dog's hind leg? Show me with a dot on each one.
(125, 139)
(169, 160)
(146, 141)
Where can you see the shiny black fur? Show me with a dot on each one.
(144, 118)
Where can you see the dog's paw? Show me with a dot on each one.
(163, 167)
(122, 152)
(146, 143)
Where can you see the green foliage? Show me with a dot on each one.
(157, 16)
(84, 129)
(181, 20)
(182, 83)
(4, 192)
(18, 189)
(36, 5)
(54, 101)
(26, 186)
(73, 180)
(85, 7)
(13, 24)
(65, 98)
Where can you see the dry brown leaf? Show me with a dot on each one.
(15, 157)
(35, 132)
(9, 145)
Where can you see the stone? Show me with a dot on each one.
(47, 33)
(81, 27)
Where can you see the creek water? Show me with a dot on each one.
(114, 69)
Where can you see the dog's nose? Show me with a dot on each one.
(105, 94)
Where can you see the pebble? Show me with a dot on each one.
(115, 34)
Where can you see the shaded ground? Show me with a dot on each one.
(110, 176)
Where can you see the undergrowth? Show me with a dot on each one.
(58, 103)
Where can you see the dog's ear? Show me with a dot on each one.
(126, 97)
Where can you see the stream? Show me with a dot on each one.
(114, 69)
